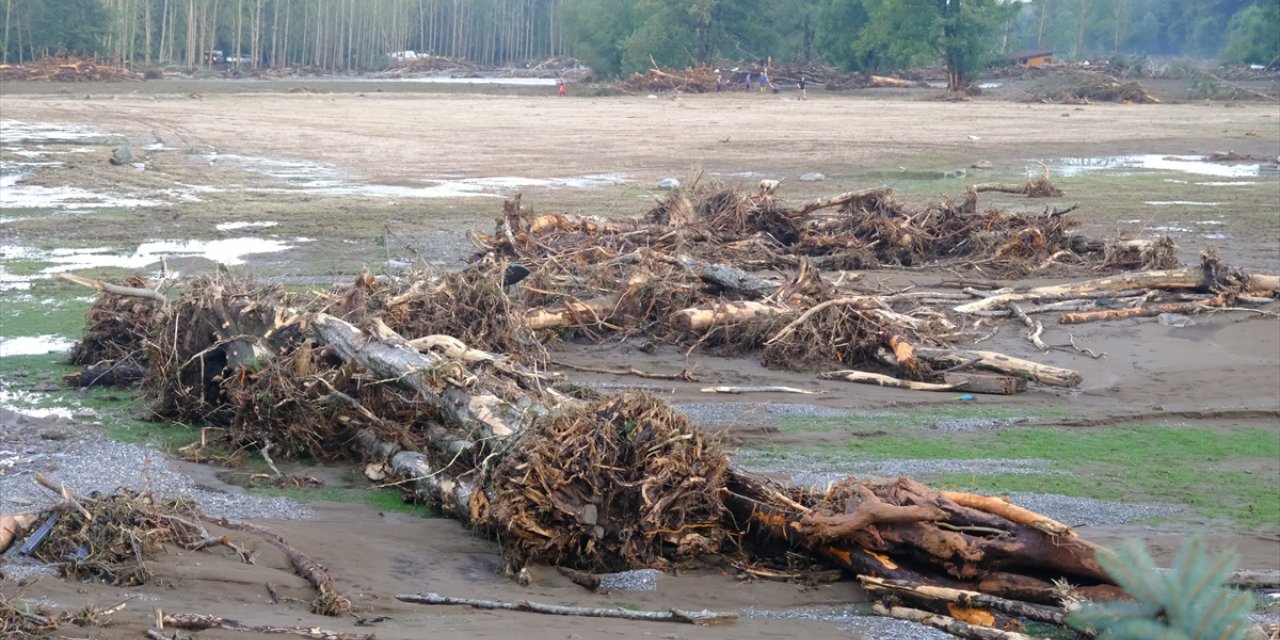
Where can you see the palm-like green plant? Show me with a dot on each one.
(1191, 601)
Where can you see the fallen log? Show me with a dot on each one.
(948, 624)
(14, 526)
(1185, 278)
(391, 357)
(866, 377)
(200, 622)
(1145, 311)
(985, 383)
(702, 617)
(874, 193)
(994, 361)
(962, 597)
(116, 289)
(728, 313)
(595, 311)
(763, 389)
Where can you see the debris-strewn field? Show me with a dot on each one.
(960, 344)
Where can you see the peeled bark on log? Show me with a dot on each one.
(866, 377)
(963, 547)
(874, 193)
(1185, 278)
(929, 593)
(698, 318)
(994, 361)
(391, 357)
(947, 623)
(568, 222)
(1145, 311)
(1010, 512)
(573, 312)
(1264, 282)
(14, 526)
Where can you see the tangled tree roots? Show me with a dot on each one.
(627, 482)
(116, 327)
(113, 536)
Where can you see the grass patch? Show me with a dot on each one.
(382, 499)
(1217, 473)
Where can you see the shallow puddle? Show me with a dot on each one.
(1198, 165)
(34, 345)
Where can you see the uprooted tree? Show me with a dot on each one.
(438, 383)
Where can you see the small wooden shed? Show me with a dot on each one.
(1034, 58)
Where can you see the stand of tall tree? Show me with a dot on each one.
(620, 36)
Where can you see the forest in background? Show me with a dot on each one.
(622, 36)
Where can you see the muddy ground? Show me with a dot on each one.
(355, 176)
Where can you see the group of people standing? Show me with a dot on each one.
(761, 80)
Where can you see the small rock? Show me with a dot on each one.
(981, 164)
(1175, 320)
(668, 184)
(122, 154)
(812, 177)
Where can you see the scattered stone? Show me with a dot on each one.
(668, 184)
(1175, 320)
(122, 154)
(637, 580)
(812, 177)
(981, 164)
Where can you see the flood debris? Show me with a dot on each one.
(698, 617)
(1087, 87)
(66, 68)
(439, 383)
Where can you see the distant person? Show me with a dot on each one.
(564, 88)
(803, 95)
(746, 82)
(764, 80)
(719, 82)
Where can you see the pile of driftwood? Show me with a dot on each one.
(66, 69)
(703, 79)
(1087, 87)
(440, 383)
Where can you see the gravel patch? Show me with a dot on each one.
(637, 580)
(1087, 512)
(853, 619)
(86, 461)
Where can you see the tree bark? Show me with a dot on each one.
(1043, 374)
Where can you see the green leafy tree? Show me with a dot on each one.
(1253, 35)
(68, 26)
(596, 29)
(1189, 602)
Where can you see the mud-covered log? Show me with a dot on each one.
(698, 318)
(729, 277)
(994, 361)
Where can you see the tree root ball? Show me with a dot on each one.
(624, 483)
